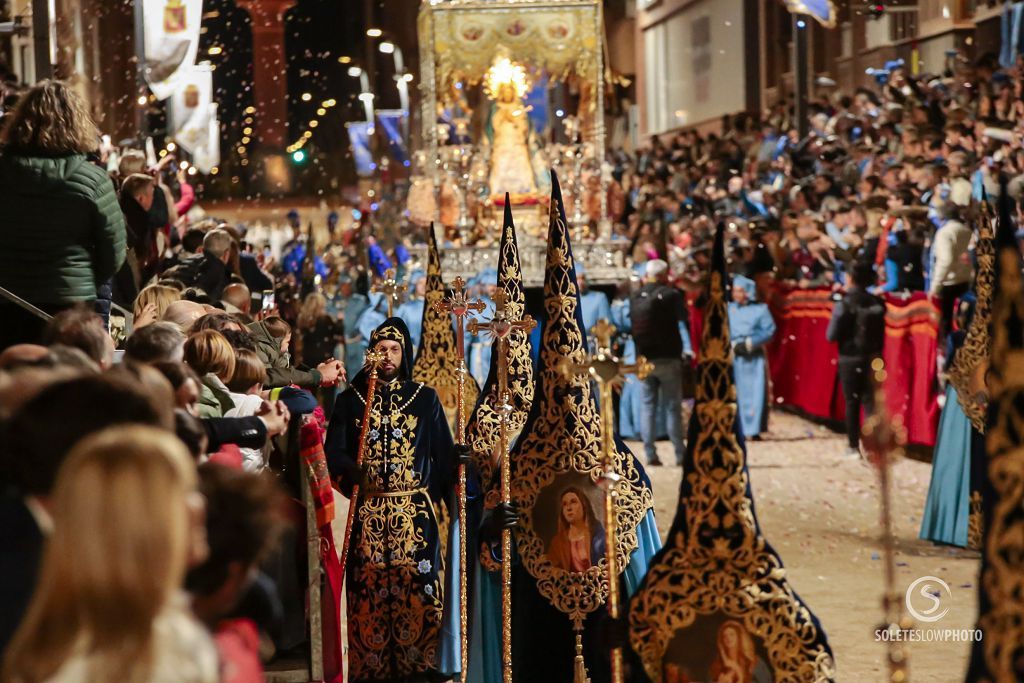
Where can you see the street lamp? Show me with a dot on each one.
(365, 96)
(388, 47)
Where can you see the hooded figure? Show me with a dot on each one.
(559, 448)
(717, 571)
(395, 592)
(751, 327)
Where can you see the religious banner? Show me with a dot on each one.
(715, 604)
(822, 11)
(556, 469)
(391, 123)
(359, 136)
(171, 40)
(999, 654)
(192, 116)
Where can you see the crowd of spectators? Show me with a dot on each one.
(233, 352)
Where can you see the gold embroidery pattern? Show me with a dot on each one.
(562, 435)
(396, 590)
(390, 332)
(482, 429)
(974, 522)
(438, 359)
(716, 560)
(998, 656)
(972, 360)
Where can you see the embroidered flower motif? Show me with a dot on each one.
(371, 659)
(396, 433)
(424, 566)
(429, 590)
(394, 590)
(374, 434)
(393, 466)
(383, 593)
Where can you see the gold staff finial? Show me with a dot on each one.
(500, 327)
(609, 372)
(460, 306)
(389, 287)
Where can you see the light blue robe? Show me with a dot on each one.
(412, 313)
(371, 318)
(355, 344)
(751, 321)
(479, 351)
(594, 306)
(947, 508)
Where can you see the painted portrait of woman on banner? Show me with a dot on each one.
(579, 542)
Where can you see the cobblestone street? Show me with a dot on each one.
(821, 514)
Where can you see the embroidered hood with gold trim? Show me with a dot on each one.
(716, 563)
(438, 360)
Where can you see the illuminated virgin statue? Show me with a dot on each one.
(511, 168)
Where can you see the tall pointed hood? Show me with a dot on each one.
(438, 359)
(482, 430)
(561, 441)
(996, 656)
(716, 563)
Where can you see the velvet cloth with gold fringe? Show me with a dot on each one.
(999, 654)
(716, 604)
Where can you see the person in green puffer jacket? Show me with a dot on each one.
(63, 234)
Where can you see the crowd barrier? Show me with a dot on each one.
(804, 365)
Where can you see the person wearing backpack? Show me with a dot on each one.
(660, 329)
(858, 326)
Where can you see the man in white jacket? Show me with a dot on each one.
(951, 265)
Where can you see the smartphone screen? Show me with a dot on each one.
(268, 300)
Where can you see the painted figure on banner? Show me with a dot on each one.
(394, 575)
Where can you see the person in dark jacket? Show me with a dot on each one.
(208, 270)
(660, 328)
(63, 234)
(858, 326)
(136, 199)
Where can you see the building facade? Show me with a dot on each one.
(698, 60)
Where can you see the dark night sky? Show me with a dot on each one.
(317, 33)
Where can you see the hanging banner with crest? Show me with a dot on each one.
(171, 30)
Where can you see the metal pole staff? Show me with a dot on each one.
(373, 361)
(609, 372)
(500, 327)
(459, 306)
(884, 440)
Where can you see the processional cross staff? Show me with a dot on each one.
(884, 438)
(609, 372)
(389, 287)
(374, 359)
(500, 327)
(459, 306)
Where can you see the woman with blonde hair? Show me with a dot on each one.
(151, 303)
(128, 523)
(63, 234)
(210, 354)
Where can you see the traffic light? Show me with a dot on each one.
(298, 156)
(876, 10)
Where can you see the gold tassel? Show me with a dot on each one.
(580, 669)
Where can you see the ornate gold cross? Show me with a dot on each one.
(389, 287)
(609, 372)
(459, 306)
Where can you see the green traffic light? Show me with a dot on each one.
(298, 156)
